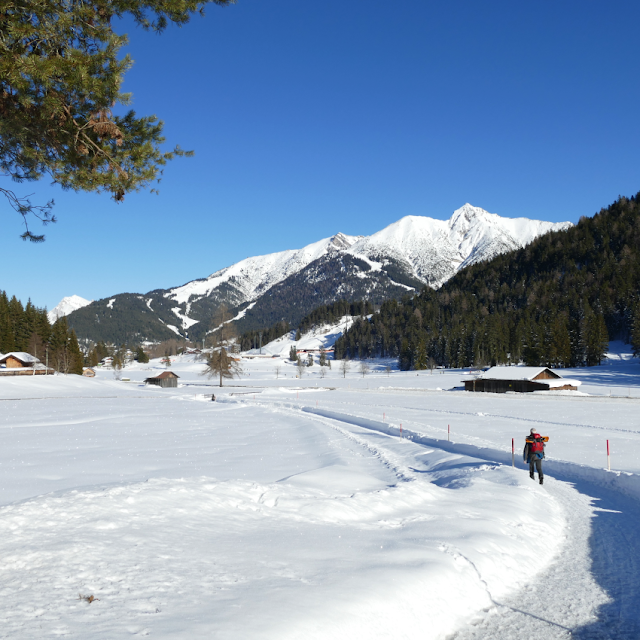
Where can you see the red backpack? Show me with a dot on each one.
(537, 445)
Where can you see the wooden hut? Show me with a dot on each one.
(520, 380)
(18, 360)
(165, 379)
(19, 363)
(89, 373)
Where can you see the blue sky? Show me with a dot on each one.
(309, 118)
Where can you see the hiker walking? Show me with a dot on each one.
(534, 453)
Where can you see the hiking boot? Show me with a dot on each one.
(541, 480)
(532, 476)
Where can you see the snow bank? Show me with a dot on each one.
(237, 519)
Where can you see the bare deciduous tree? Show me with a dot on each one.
(345, 366)
(221, 364)
(364, 368)
(300, 366)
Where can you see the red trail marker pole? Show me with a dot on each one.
(448, 432)
(513, 453)
(608, 457)
(383, 416)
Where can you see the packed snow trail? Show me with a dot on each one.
(254, 522)
(592, 590)
(253, 518)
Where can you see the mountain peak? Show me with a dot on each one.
(66, 306)
(466, 213)
(340, 241)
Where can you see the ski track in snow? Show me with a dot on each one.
(513, 418)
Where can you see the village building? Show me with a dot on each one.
(89, 373)
(520, 380)
(165, 379)
(20, 363)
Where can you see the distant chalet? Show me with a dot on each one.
(520, 380)
(20, 363)
(165, 379)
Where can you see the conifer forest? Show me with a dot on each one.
(557, 302)
(27, 328)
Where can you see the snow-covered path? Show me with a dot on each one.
(289, 512)
(592, 591)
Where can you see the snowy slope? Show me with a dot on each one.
(320, 337)
(253, 276)
(434, 250)
(66, 306)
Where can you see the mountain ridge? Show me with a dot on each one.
(403, 257)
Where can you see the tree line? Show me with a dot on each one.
(324, 314)
(252, 340)
(556, 302)
(331, 313)
(27, 328)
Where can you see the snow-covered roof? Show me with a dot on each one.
(561, 382)
(20, 355)
(515, 373)
(163, 375)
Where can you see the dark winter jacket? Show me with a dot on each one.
(528, 453)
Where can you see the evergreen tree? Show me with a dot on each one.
(635, 331)
(597, 339)
(405, 361)
(61, 72)
(76, 358)
(420, 360)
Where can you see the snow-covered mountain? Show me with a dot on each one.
(259, 291)
(432, 251)
(252, 277)
(435, 250)
(66, 306)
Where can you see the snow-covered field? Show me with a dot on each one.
(292, 508)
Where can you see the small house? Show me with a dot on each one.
(18, 360)
(520, 380)
(165, 379)
(19, 363)
(89, 373)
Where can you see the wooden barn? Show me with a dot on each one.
(520, 380)
(19, 363)
(165, 379)
(89, 372)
